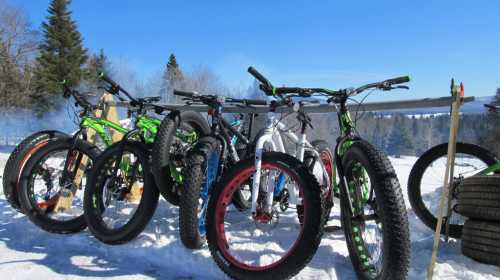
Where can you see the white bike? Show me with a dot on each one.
(315, 154)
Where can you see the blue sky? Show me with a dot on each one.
(330, 44)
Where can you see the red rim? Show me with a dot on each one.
(327, 159)
(225, 199)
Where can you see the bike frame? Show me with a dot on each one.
(228, 134)
(272, 135)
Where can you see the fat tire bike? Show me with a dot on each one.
(370, 197)
(121, 196)
(57, 168)
(206, 162)
(426, 176)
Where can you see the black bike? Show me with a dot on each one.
(205, 163)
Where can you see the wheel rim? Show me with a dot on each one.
(45, 185)
(327, 160)
(118, 196)
(366, 232)
(235, 229)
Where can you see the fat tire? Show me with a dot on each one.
(481, 241)
(479, 197)
(190, 193)
(311, 236)
(147, 204)
(418, 169)
(392, 212)
(40, 219)
(161, 149)
(19, 156)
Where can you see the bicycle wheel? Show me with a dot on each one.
(175, 136)
(121, 197)
(426, 180)
(272, 244)
(44, 182)
(18, 158)
(377, 233)
(325, 180)
(199, 176)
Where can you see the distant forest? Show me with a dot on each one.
(398, 134)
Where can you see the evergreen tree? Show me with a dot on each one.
(61, 56)
(399, 142)
(172, 78)
(378, 136)
(97, 63)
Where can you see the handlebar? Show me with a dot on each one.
(269, 90)
(108, 80)
(193, 95)
(260, 77)
(115, 88)
(398, 80)
(188, 94)
(492, 108)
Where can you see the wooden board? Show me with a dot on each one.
(450, 163)
(65, 200)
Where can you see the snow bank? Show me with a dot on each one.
(26, 251)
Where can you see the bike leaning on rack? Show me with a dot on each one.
(206, 162)
(262, 245)
(121, 196)
(56, 170)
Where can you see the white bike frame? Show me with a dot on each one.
(272, 137)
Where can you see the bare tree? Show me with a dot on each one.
(19, 37)
(18, 47)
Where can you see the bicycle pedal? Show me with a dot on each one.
(333, 228)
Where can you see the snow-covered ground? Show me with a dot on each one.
(27, 252)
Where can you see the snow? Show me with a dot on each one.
(26, 251)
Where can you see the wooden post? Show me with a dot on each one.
(457, 94)
(66, 196)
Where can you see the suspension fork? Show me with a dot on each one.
(68, 176)
(343, 185)
(267, 137)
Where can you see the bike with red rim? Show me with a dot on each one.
(373, 213)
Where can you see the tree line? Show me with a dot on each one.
(34, 61)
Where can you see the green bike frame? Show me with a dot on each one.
(99, 125)
(491, 169)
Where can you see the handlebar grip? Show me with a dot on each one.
(188, 94)
(107, 79)
(398, 80)
(259, 76)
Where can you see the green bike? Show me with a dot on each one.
(121, 195)
(57, 171)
